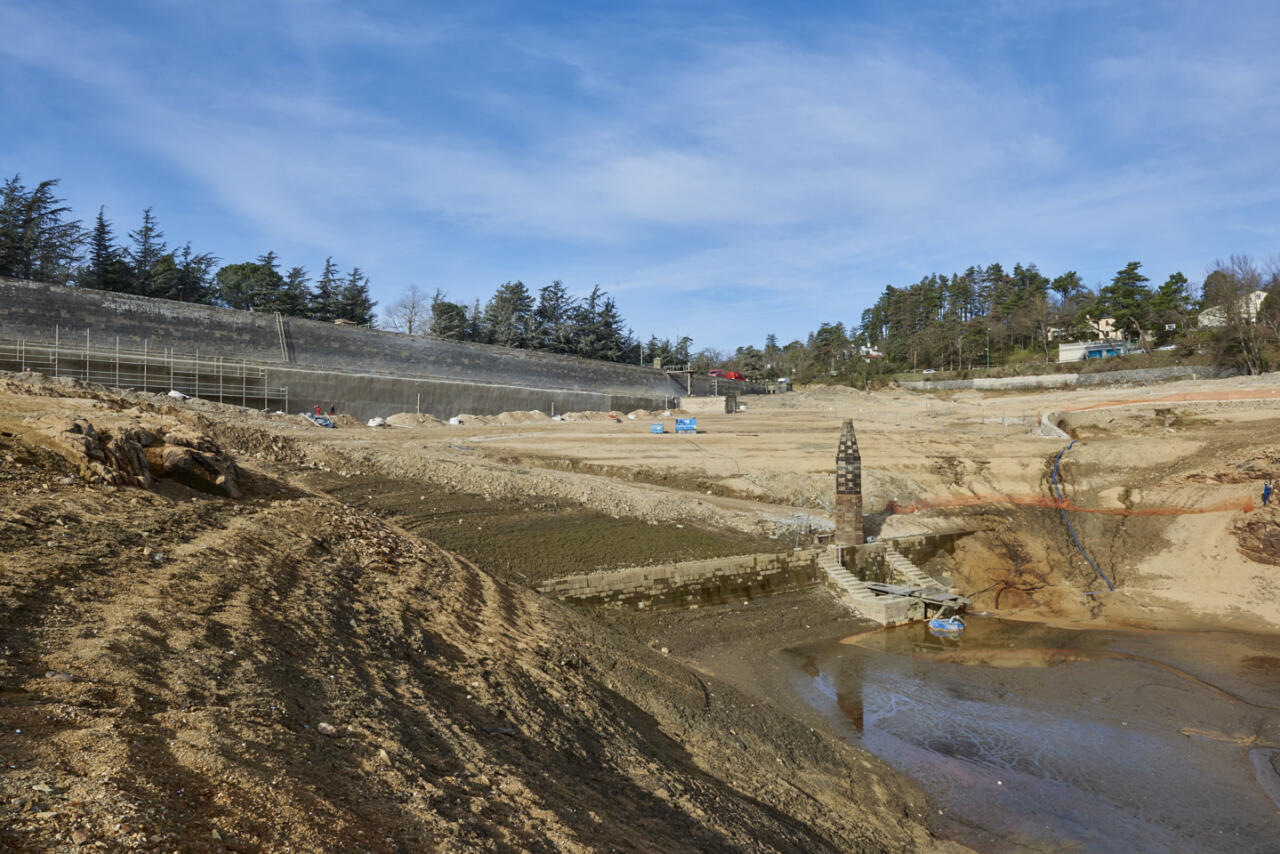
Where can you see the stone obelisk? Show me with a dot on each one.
(848, 489)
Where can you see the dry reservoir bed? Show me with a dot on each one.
(169, 661)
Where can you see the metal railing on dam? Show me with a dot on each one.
(212, 377)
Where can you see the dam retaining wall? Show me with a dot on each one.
(364, 372)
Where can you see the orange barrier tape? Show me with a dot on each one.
(1244, 505)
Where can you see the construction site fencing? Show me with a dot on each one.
(234, 381)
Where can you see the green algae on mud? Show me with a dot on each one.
(534, 539)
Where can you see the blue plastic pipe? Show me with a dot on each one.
(1057, 492)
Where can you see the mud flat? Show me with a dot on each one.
(533, 540)
(1026, 737)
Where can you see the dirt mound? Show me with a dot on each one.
(532, 416)
(413, 419)
(590, 415)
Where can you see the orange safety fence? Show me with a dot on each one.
(1244, 505)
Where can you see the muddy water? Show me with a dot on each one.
(1038, 739)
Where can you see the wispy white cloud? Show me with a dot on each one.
(809, 173)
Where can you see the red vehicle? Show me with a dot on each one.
(728, 375)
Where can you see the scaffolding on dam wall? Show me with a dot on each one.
(139, 342)
(234, 381)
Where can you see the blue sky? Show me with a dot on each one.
(724, 170)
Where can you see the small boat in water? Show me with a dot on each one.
(946, 626)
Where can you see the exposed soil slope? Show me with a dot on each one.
(187, 671)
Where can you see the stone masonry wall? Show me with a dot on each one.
(1136, 375)
(693, 583)
(367, 372)
(869, 563)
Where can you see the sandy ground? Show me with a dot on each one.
(183, 670)
(171, 653)
(1162, 485)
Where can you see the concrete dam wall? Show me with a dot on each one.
(365, 372)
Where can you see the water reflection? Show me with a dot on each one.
(1033, 738)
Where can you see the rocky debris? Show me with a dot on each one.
(119, 460)
(195, 460)
(1258, 538)
(133, 455)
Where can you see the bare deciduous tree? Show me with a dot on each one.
(411, 313)
(1232, 285)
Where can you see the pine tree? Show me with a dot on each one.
(1066, 286)
(552, 319)
(477, 330)
(36, 242)
(614, 340)
(324, 300)
(509, 316)
(244, 285)
(354, 302)
(1127, 300)
(586, 331)
(106, 269)
(681, 351)
(448, 319)
(1170, 306)
(195, 275)
(269, 287)
(294, 298)
(148, 247)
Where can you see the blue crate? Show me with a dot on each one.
(686, 425)
(655, 428)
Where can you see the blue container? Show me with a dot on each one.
(686, 425)
(655, 428)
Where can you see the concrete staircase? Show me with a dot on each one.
(844, 581)
(911, 574)
(883, 609)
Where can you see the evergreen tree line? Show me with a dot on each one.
(40, 241)
(987, 315)
(553, 321)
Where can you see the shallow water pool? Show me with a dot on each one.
(1032, 738)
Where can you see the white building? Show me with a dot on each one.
(1248, 308)
(1078, 351)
